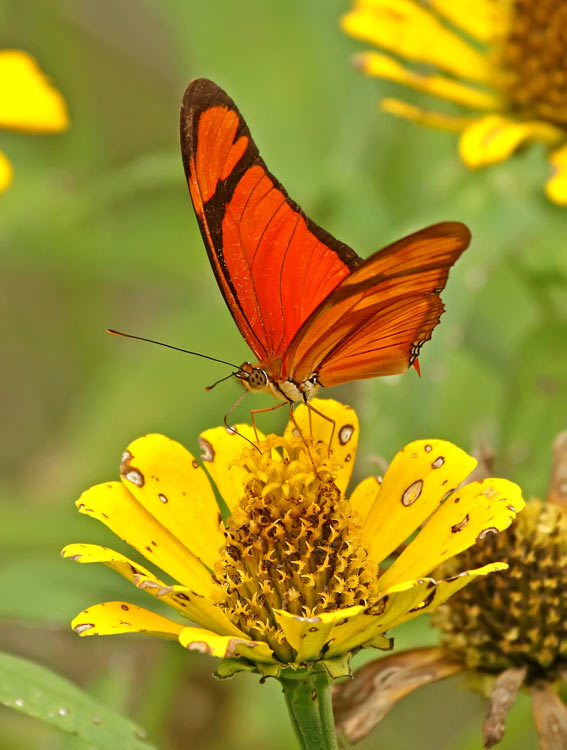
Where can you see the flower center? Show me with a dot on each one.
(292, 544)
(517, 617)
(534, 59)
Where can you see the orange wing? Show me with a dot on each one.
(273, 264)
(376, 320)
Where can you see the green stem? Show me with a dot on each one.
(308, 699)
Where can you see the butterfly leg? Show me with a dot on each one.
(302, 436)
(262, 411)
(310, 409)
(232, 429)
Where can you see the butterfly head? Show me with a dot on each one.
(253, 378)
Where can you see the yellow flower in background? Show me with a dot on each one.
(504, 59)
(295, 579)
(505, 633)
(28, 102)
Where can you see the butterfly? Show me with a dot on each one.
(312, 311)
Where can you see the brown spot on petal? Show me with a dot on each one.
(345, 433)
(125, 607)
(201, 646)
(438, 463)
(163, 498)
(208, 452)
(233, 645)
(195, 464)
(129, 472)
(428, 448)
(83, 627)
(412, 493)
(461, 525)
(486, 532)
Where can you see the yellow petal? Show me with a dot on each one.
(190, 604)
(363, 496)
(469, 514)
(112, 504)
(225, 647)
(27, 100)
(438, 120)
(364, 628)
(494, 138)
(343, 426)
(308, 635)
(169, 483)
(485, 20)
(445, 589)
(403, 27)
(112, 618)
(383, 66)
(6, 172)
(221, 449)
(556, 187)
(416, 482)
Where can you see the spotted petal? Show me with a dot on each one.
(225, 647)
(340, 422)
(111, 618)
(168, 482)
(416, 482)
(364, 629)
(471, 512)
(118, 509)
(445, 589)
(190, 604)
(363, 497)
(221, 448)
(308, 635)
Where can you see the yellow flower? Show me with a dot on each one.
(504, 633)
(28, 102)
(295, 579)
(504, 59)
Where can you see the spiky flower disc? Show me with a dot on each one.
(517, 619)
(298, 577)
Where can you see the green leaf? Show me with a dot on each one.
(36, 691)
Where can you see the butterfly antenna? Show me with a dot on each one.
(210, 387)
(177, 348)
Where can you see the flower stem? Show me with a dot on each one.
(308, 699)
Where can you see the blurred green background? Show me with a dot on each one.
(97, 230)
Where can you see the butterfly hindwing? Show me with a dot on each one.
(376, 320)
(273, 264)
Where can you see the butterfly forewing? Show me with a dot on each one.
(273, 264)
(377, 318)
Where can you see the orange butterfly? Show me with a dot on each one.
(314, 313)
